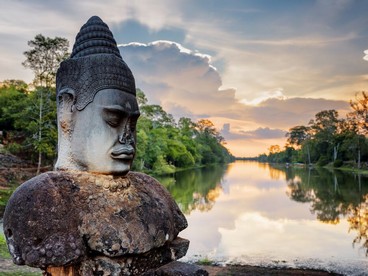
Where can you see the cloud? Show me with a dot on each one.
(366, 55)
(178, 78)
(268, 49)
(265, 133)
(263, 96)
(185, 83)
(259, 133)
(286, 113)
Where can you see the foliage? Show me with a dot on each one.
(4, 252)
(28, 133)
(322, 161)
(205, 261)
(164, 145)
(360, 114)
(12, 93)
(327, 138)
(20, 273)
(44, 58)
(338, 163)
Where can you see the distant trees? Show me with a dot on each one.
(164, 145)
(328, 138)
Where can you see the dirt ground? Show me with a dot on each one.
(258, 271)
(7, 267)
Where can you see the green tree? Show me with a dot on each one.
(300, 137)
(324, 128)
(163, 145)
(187, 132)
(40, 133)
(43, 59)
(360, 113)
(12, 95)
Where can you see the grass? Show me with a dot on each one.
(15, 270)
(20, 273)
(4, 252)
(204, 261)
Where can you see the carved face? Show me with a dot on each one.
(103, 136)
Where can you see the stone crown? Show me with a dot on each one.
(95, 64)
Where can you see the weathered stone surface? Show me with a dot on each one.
(133, 264)
(39, 224)
(178, 269)
(58, 218)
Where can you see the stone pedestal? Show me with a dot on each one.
(94, 224)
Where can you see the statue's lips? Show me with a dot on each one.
(124, 154)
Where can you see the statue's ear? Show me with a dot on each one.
(65, 102)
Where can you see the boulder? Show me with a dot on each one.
(62, 218)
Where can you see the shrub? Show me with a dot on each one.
(338, 163)
(322, 161)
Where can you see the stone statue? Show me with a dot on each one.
(92, 216)
(97, 108)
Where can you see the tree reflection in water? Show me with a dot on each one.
(332, 195)
(195, 189)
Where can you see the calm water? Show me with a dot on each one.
(251, 213)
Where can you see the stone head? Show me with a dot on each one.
(97, 108)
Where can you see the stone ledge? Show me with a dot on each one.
(178, 269)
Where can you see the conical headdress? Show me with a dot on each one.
(95, 64)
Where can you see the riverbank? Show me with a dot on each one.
(261, 271)
(7, 268)
(347, 167)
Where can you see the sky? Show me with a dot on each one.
(255, 68)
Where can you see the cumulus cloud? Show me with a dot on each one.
(258, 133)
(365, 55)
(178, 78)
(263, 96)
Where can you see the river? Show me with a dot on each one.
(253, 213)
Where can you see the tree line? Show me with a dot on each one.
(29, 128)
(327, 139)
(163, 145)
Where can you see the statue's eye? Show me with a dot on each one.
(112, 118)
(113, 123)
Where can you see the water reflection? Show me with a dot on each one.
(256, 214)
(333, 195)
(195, 189)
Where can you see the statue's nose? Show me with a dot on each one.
(122, 138)
(126, 137)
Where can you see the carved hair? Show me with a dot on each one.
(95, 64)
